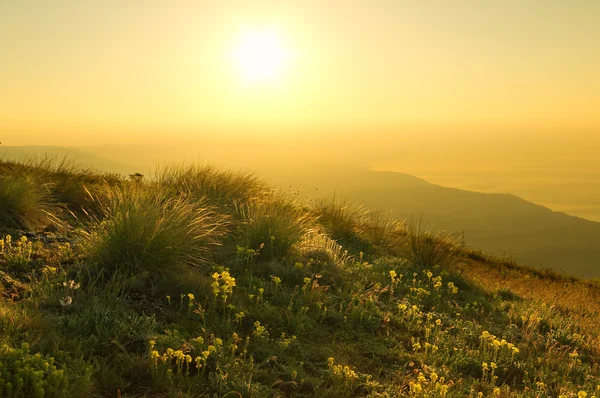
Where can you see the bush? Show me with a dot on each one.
(145, 230)
(25, 204)
(273, 226)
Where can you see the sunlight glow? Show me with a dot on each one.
(261, 56)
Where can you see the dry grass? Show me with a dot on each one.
(358, 228)
(222, 188)
(62, 182)
(25, 204)
(427, 247)
(577, 300)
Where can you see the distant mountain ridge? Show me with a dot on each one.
(496, 223)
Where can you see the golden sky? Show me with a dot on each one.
(89, 72)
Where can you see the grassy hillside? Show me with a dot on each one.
(497, 223)
(204, 282)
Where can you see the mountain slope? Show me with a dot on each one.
(495, 223)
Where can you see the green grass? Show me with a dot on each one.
(226, 189)
(201, 288)
(25, 204)
(358, 228)
(142, 229)
(41, 191)
(427, 247)
(272, 225)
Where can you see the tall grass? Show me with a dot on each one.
(25, 204)
(427, 247)
(73, 185)
(143, 229)
(65, 183)
(358, 228)
(272, 226)
(221, 188)
(321, 247)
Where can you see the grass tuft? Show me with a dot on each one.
(147, 230)
(272, 226)
(225, 189)
(321, 247)
(358, 228)
(24, 203)
(427, 247)
(62, 184)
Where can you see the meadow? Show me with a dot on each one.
(201, 282)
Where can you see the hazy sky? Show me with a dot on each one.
(91, 72)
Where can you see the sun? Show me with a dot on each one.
(260, 56)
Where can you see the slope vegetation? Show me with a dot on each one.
(496, 223)
(204, 282)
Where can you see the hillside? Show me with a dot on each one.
(206, 283)
(500, 224)
(496, 223)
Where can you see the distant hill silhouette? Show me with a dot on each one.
(495, 223)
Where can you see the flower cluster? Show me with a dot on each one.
(179, 360)
(223, 284)
(343, 374)
(409, 311)
(284, 341)
(452, 289)
(495, 347)
(16, 256)
(260, 331)
(434, 384)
